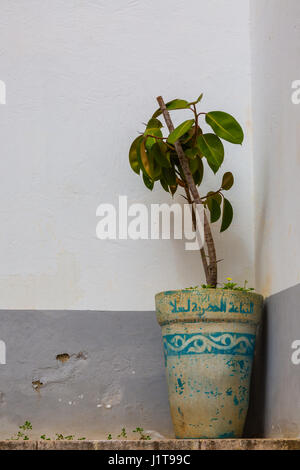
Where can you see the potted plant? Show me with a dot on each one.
(209, 332)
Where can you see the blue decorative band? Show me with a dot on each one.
(213, 343)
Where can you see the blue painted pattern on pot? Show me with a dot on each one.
(214, 343)
(209, 341)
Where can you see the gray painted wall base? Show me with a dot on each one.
(115, 375)
(275, 397)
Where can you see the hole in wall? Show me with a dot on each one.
(63, 357)
(37, 385)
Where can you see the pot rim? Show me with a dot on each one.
(209, 289)
(199, 313)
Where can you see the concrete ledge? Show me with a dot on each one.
(172, 444)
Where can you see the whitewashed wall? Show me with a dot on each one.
(81, 77)
(275, 65)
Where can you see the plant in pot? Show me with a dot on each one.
(209, 332)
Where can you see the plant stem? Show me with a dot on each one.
(211, 272)
(202, 251)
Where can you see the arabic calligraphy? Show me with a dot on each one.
(221, 307)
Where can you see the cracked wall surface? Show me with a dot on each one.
(84, 373)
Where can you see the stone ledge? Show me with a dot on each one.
(172, 444)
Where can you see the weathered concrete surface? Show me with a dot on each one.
(274, 400)
(109, 374)
(172, 444)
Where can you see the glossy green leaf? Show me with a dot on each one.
(169, 176)
(194, 164)
(214, 208)
(198, 173)
(186, 139)
(180, 131)
(164, 184)
(157, 169)
(227, 215)
(154, 123)
(171, 105)
(160, 155)
(197, 100)
(197, 178)
(133, 160)
(225, 126)
(216, 196)
(148, 182)
(227, 180)
(144, 160)
(151, 140)
(177, 104)
(212, 148)
(191, 152)
(200, 170)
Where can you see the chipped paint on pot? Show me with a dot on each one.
(209, 340)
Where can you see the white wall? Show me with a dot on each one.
(275, 65)
(81, 77)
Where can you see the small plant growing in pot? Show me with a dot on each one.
(209, 332)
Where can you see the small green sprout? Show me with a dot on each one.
(61, 437)
(234, 286)
(27, 426)
(123, 433)
(143, 436)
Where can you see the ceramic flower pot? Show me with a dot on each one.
(209, 340)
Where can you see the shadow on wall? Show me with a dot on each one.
(255, 423)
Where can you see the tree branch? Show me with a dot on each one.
(211, 277)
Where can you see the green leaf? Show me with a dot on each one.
(160, 155)
(154, 123)
(212, 148)
(177, 104)
(144, 159)
(171, 105)
(133, 160)
(191, 152)
(200, 170)
(227, 180)
(225, 126)
(194, 165)
(180, 131)
(214, 208)
(156, 169)
(151, 140)
(148, 182)
(198, 174)
(169, 176)
(227, 215)
(197, 100)
(186, 139)
(164, 184)
(216, 196)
